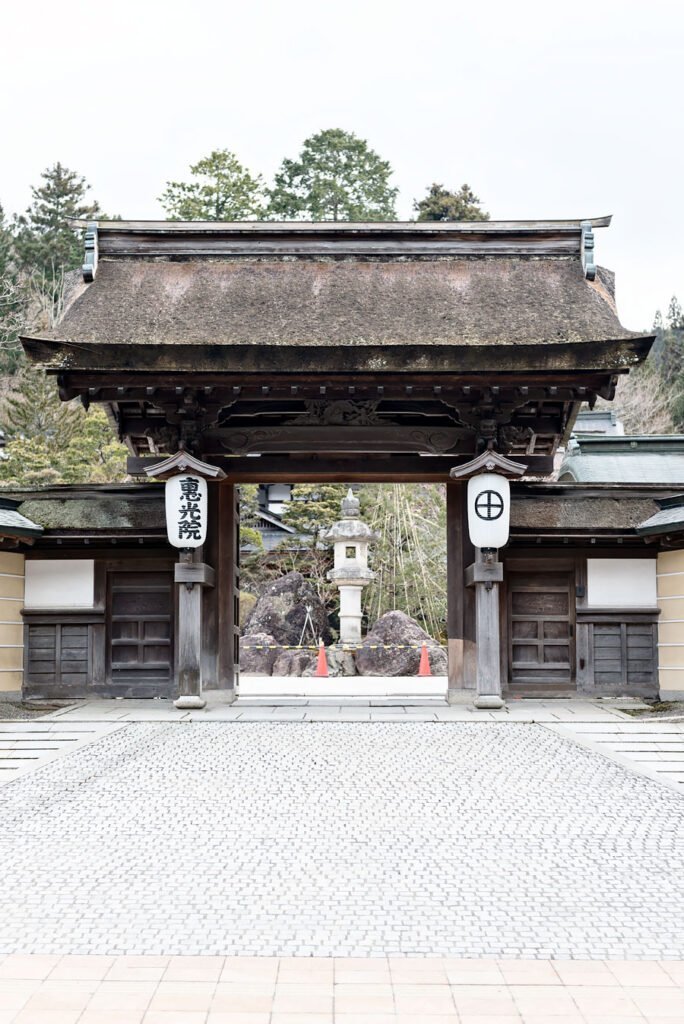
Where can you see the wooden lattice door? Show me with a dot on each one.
(541, 630)
(140, 633)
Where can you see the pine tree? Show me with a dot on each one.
(314, 508)
(336, 177)
(223, 190)
(442, 205)
(88, 454)
(33, 410)
(45, 243)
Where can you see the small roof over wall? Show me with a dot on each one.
(15, 525)
(668, 521)
(187, 294)
(537, 510)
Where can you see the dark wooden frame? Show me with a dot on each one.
(539, 564)
(154, 689)
(99, 676)
(587, 620)
(540, 559)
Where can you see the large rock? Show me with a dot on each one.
(281, 611)
(295, 663)
(340, 662)
(404, 637)
(258, 653)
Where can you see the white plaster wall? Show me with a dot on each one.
(621, 582)
(59, 583)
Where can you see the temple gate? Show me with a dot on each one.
(296, 352)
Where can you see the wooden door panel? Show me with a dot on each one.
(525, 629)
(140, 633)
(541, 629)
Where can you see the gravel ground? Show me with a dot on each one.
(659, 709)
(11, 710)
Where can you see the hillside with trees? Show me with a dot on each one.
(650, 400)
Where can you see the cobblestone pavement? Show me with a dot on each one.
(341, 839)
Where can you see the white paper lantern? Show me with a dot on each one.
(186, 510)
(489, 510)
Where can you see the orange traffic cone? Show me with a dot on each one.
(424, 667)
(322, 663)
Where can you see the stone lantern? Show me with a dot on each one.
(350, 537)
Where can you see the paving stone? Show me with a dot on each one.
(464, 840)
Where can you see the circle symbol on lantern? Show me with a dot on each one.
(489, 505)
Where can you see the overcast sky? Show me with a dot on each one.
(547, 109)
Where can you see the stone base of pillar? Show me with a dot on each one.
(189, 702)
(489, 702)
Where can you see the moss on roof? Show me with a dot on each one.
(102, 513)
(326, 302)
(579, 512)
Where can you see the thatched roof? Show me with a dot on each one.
(579, 512)
(363, 291)
(322, 302)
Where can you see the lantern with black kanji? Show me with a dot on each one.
(186, 510)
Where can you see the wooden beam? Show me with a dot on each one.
(199, 362)
(228, 589)
(104, 381)
(341, 469)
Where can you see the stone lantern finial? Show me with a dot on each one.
(351, 506)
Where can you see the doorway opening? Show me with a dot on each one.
(360, 567)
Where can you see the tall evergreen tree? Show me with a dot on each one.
(45, 243)
(222, 190)
(442, 205)
(675, 315)
(12, 300)
(337, 176)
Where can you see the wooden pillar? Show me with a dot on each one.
(460, 601)
(484, 576)
(228, 589)
(209, 595)
(190, 575)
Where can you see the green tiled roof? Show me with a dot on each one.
(670, 518)
(627, 460)
(13, 523)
